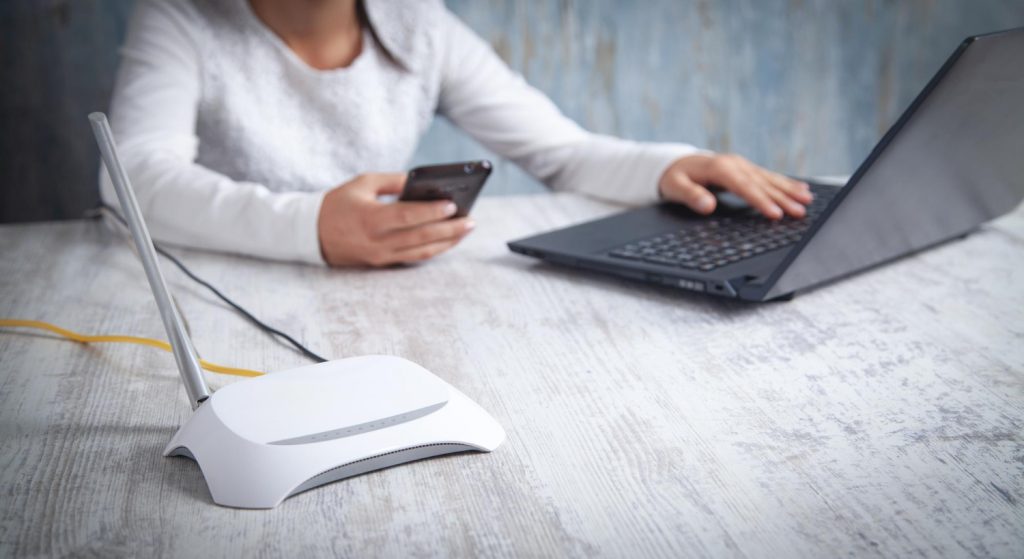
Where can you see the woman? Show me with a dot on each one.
(238, 120)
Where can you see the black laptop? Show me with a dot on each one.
(954, 160)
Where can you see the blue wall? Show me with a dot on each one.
(805, 86)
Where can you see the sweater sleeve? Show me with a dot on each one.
(153, 117)
(494, 105)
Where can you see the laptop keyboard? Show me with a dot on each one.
(722, 240)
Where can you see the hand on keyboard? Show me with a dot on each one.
(717, 241)
(774, 195)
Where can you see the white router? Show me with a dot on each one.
(262, 440)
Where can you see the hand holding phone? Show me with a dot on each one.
(356, 227)
(459, 182)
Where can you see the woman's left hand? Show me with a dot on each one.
(688, 180)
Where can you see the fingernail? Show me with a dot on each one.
(776, 212)
(470, 225)
(450, 208)
(705, 203)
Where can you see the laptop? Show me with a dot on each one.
(953, 160)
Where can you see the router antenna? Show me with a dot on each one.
(184, 353)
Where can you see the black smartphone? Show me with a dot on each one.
(458, 182)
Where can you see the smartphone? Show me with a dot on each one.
(458, 182)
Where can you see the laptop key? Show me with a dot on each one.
(627, 254)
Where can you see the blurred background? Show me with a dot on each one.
(803, 86)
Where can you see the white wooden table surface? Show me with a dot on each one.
(882, 416)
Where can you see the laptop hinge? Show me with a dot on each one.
(747, 286)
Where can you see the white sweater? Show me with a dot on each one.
(231, 140)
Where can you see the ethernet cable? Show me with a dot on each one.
(87, 338)
(316, 358)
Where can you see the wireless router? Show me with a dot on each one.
(262, 440)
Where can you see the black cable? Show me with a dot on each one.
(241, 310)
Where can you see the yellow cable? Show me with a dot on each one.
(85, 339)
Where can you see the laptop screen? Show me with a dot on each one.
(954, 160)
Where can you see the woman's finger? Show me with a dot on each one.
(732, 176)
(429, 233)
(378, 184)
(797, 190)
(403, 215)
(783, 200)
(680, 188)
(423, 252)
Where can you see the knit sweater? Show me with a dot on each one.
(231, 140)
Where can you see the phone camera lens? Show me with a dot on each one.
(468, 168)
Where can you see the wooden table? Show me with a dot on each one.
(882, 416)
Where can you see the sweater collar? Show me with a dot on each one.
(401, 26)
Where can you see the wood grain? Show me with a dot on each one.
(882, 416)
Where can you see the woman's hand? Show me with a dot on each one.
(355, 228)
(688, 178)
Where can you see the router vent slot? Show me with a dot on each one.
(362, 427)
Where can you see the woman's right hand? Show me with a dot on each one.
(355, 228)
